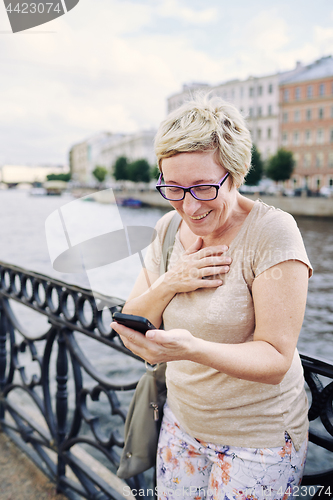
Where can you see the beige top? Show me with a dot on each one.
(211, 405)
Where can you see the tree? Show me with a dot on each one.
(59, 177)
(139, 171)
(281, 166)
(120, 169)
(256, 170)
(100, 173)
(154, 172)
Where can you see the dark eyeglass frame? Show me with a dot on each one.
(217, 186)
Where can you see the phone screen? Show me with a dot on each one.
(138, 323)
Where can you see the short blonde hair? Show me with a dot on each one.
(207, 123)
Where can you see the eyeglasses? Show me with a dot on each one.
(202, 192)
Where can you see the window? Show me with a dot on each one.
(307, 160)
(322, 89)
(285, 117)
(286, 95)
(297, 93)
(259, 133)
(251, 112)
(270, 109)
(260, 90)
(296, 158)
(308, 114)
(330, 159)
(270, 88)
(309, 91)
(321, 113)
(269, 133)
(332, 112)
(308, 137)
(259, 111)
(331, 135)
(284, 138)
(241, 91)
(297, 115)
(251, 91)
(296, 138)
(319, 160)
(320, 136)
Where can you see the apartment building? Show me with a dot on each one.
(257, 98)
(306, 123)
(137, 146)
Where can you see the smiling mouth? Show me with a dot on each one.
(200, 216)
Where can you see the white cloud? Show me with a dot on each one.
(174, 9)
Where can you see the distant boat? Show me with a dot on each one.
(37, 191)
(131, 202)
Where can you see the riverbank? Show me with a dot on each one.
(295, 205)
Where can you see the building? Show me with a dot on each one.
(104, 149)
(306, 123)
(86, 155)
(257, 98)
(137, 146)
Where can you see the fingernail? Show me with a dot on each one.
(150, 334)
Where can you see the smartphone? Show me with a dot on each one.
(137, 323)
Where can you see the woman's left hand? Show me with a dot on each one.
(157, 346)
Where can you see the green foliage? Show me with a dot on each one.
(120, 169)
(100, 173)
(281, 166)
(139, 171)
(59, 177)
(257, 168)
(154, 172)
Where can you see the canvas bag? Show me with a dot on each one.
(144, 417)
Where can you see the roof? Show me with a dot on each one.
(322, 68)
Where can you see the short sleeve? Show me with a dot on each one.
(279, 240)
(154, 251)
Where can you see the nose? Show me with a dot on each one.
(190, 204)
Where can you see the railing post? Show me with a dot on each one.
(3, 358)
(61, 397)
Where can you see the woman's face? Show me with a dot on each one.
(186, 169)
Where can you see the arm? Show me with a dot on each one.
(279, 296)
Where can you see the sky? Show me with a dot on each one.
(110, 65)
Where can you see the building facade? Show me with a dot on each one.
(86, 155)
(257, 98)
(135, 146)
(104, 149)
(306, 124)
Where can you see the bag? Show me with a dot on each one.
(144, 417)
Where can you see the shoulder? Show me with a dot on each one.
(163, 224)
(268, 219)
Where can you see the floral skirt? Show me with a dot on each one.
(193, 469)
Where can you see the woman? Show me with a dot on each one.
(232, 302)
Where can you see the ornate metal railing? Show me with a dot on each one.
(53, 371)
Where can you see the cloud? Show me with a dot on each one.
(174, 9)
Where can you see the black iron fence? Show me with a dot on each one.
(63, 421)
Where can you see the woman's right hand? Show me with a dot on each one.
(198, 268)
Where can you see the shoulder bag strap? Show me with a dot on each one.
(168, 242)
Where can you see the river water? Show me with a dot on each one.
(23, 242)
